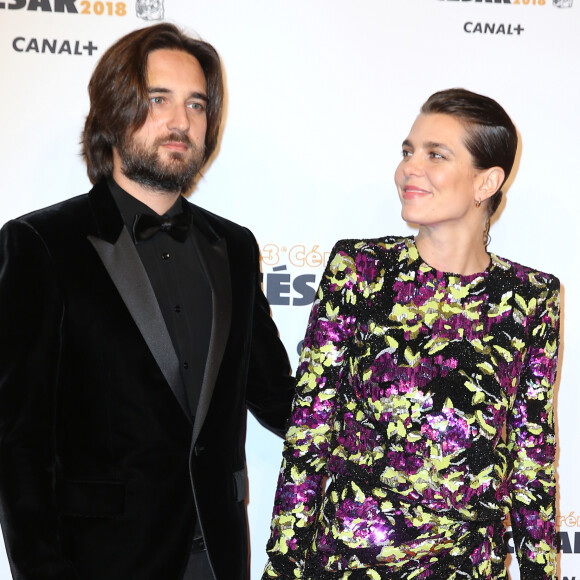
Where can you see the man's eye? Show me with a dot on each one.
(436, 155)
(406, 153)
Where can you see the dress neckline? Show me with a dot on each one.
(447, 274)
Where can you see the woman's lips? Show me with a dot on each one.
(412, 192)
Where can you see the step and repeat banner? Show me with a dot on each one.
(320, 95)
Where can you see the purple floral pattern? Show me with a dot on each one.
(394, 465)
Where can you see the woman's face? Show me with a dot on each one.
(436, 179)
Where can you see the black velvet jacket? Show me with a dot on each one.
(98, 454)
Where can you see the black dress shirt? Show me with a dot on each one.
(181, 288)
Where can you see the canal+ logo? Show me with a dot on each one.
(145, 9)
(503, 28)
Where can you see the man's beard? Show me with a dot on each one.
(144, 166)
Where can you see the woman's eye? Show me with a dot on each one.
(156, 100)
(406, 153)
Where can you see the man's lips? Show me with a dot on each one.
(413, 192)
(176, 145)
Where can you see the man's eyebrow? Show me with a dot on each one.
(201, 96)
(162, 90)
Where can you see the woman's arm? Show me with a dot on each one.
(532, 442)
(306, 449)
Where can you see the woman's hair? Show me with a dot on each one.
(119, 101)
(492, 139)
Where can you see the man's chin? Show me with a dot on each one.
(171, 159)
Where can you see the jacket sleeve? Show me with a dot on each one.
(532, 441)
(270, 383)
(31, 311)
(301, 481)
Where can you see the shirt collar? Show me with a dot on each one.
(130, 206)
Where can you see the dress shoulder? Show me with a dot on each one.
(525, 278)
(373, 244)
(383, 248)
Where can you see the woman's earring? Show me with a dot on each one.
(477, 202)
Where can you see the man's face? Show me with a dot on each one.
(167, 152)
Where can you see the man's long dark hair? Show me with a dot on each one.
(119, 101)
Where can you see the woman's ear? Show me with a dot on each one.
(490, 180)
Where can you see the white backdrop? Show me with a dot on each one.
(320, 95)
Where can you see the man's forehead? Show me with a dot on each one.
(164, 58)
(174, 67)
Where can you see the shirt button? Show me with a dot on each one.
(185, 365)
(177, 308)
(165, 255)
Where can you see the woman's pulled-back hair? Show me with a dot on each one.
(119, 101)
(492, 139)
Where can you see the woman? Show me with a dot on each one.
(423, 415)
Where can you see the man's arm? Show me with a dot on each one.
(31, 312)
(270, 384)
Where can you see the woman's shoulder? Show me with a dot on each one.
(525, 278)
(379, 247)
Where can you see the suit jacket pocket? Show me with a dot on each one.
(240, 486)
(91, 499)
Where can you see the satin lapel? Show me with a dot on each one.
(214, 259)
(128, 274)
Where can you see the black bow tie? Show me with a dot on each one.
(147, 225)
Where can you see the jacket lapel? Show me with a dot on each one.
(117, 251)
(214, 259)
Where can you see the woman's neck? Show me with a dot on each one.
(458, 252)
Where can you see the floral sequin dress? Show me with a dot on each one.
(423, 416)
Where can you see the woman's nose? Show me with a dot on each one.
(412, 165)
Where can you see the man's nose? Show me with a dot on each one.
(179, 120)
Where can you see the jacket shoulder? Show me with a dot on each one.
(56, 217)
(217, 226)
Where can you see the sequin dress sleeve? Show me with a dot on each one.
(300, 484)
(531, 437)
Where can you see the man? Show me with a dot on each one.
(134, 333)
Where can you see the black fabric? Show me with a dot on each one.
(180, 285)
(99, 499)
(198, 567)
(85, 397)
(146, 226)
